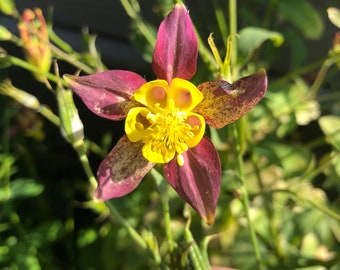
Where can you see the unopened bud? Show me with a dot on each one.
(24, 98)
(71, 126)
(4, 34)
(7, 7)
(336, 43)
(34, 35)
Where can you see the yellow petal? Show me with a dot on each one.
(152, 93)
(136, 123)
(186, 96)
(197, 122)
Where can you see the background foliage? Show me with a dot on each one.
(289, 144)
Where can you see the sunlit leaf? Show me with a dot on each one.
(334, 16)
(252, 38)
(87, 237)
(295, 160)
(330, 126)
(336, 164)
(303, 16)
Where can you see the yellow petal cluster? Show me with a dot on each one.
(165, 124)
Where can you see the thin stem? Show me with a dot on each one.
(245, 197)
(221, 21)
(233, 33)
(133, 233)
(23, 64)
(313, 203)
(205, 54)
(198, 260)
(72, 60)
(324, 210)
(132, 8)
(322, 73)
(269, 13)
(81, 151)
(118, 217)
(297, 72)
(59, 42)
(268, 198)
(163, 189)
(48, 114)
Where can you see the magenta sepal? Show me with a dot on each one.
(108, 94)
(224, 103)
(122, 170)
(176, 49)
(198, 180)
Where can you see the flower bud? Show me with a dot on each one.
(5, 34)
(34, 35)
(7, 7)
(24, 98)
(336, 43)
(70, 123)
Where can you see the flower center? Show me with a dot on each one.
(166, 125)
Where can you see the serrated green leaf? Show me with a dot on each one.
(303, 16)
(252, 38)
(330, 125)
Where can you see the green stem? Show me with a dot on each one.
(163, 189)
(81, 151)
(205, 54)
(118, 217)
(245, 197)
(313, 203)
(322, 73)
(23, 64)
(132, 232)
(233, 35)
(324, 210)
(198, 260)
(297, 72)
(72, 60)
(132, 8)
(221, 21)
(48, 114)
(59, 42)
(6, 162)
(269, 13)
(268, 198)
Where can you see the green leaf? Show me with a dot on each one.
(252, 38)
(22, 188)
(336, 164)
(334, 16)
(294, 159)
(303, 16)
(330, 126)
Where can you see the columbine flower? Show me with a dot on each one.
(33, 33)
(165, 118)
